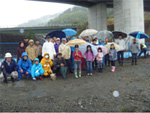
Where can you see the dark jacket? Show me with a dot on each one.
(57, 62)
(10, 68)
(20, 50)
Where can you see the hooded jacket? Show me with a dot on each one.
(45, 65)
(35, 68)
(101, 43)
(57, 62)
(25, 65)
(65, 50)
(48, 47)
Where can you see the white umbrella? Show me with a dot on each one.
(88, 32)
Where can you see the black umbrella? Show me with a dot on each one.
(117, 33)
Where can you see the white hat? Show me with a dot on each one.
(64, 39)
(7, 55)
(58, 39)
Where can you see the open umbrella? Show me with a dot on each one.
(117, 33)
(104, 49)
(88, 32)
(109, 44)
(69, 32)
(57, 34)
(74, 42)
(104, 34)
(139, 35)
(83, 48)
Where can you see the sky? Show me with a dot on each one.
(15, 12)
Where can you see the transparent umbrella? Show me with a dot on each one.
(104, 34)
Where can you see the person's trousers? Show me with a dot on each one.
(113, 63)
(120, 57)
(107, 61)
(94, 63)
(134, 57)
(24, 72)
(40, 58)
(89, 67)
(100, 64)
(41, 72)
(77, 65)
(62, 70)
(143, 51)
(68, 62)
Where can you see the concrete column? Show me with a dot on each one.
(129, 15)
(97, 17)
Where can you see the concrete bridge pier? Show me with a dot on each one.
(97, 17)
(129, 16)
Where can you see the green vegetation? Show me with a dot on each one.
(31, 34)
(74, 15)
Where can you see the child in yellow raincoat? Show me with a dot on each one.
(47, 64)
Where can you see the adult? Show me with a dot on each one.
(39, 49)
(60, 65)
(55, 39)
(143, 48)
(48, 47)
(9, 68)
(120, 53)
(66, 53)
(100, 42)
(107, 61)
(32, 51)
(26, 41)
(20, 50)
(57, 44)
(25, 66)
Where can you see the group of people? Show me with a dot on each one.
(56, 57)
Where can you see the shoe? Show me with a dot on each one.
(41, 77)
(34, 79)
(5, 81)
(114, 68)
(88, 74)
(91, 74)
(12, 79)
(71, 71)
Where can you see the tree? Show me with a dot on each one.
(31, 34)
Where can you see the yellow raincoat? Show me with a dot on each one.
(47, 64)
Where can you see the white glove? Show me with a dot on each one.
(37, 71)
(45, 65)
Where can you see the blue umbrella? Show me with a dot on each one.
(139, 35)
(69, 32)
(57, 34)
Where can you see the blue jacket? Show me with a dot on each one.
(102, 43)
(35, 68)
(112, 52)
(25, 65)
(10, 68)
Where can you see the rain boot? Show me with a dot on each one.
(112, 68)
(5, 76)
(76, 76)
(12, 79)
(79, 74)
(63, 72)
(101, 70)
(41, 77)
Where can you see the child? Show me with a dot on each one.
(36, 70)
(89, 55)
(134, 48)
(47, 64)
(113, 57)
(25, 66)
(77, 55)
(99, 58)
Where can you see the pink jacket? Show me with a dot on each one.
(99, 56)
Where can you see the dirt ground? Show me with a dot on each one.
(88, 94)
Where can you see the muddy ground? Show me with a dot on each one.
(88, 94)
